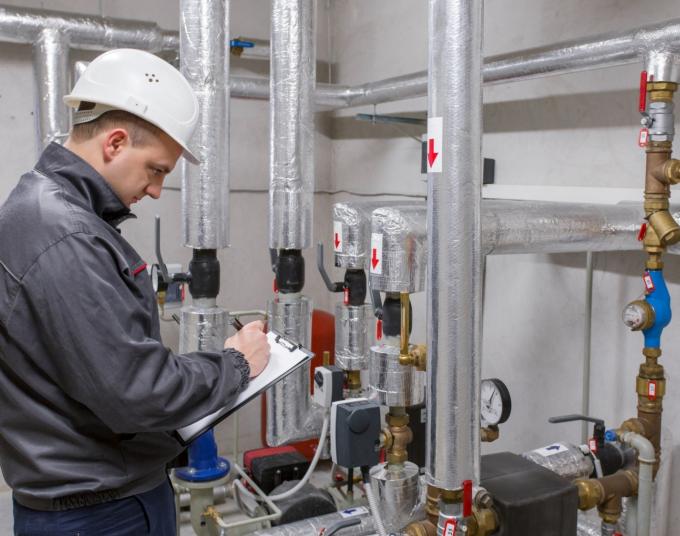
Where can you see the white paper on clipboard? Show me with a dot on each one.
(285, 357)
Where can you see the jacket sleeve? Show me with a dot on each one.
(97, 321)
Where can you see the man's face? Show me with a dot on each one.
(134, 172)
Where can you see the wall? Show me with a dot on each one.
(246, 273)
(571, 130)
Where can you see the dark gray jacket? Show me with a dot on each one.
(88, 393)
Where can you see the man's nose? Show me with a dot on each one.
(154, 190)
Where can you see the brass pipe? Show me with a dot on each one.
(353, 380)
(398, 436)
(606, 493)
(405, 323)
(488, 434)
(650, 408)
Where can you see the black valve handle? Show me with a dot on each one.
(330, 285)
(598, 429)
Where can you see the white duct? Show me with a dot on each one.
(51, 69)
(454, 245)
(204, 61)
(291, 124)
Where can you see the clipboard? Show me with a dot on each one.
(286, 356)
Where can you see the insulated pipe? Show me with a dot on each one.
(513, 226)
(454, 245)
(85, 32)
(204, 26)
(646, 459)
(291, 124)
(51, 69)
(658, 45)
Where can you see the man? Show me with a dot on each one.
(89, 394)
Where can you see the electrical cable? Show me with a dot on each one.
(240, 488)
(373, 502)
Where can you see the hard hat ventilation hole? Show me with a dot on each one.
(151, 77)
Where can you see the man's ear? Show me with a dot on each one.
(115, 141)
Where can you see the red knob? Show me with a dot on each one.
(467, 498)
(643, 92)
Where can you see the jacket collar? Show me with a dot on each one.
(58, 163)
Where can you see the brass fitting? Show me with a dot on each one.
(668, 172)
(665, 226)
(353, 380)
(399, 434)
(661, 91)
(432, 504)
(650, 408)
(489, 434)
(603, 492)
(421, 528)
(486, 521)
(417, 357)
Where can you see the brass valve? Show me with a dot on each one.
(416, 356)
(488, 434)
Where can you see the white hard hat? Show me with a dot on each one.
(142, 84)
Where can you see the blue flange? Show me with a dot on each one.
(660, 301)
(204, 463)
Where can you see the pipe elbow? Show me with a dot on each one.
(644, 447)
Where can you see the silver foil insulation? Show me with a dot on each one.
(84, 32)
(291, 124)
(399, 494)
(354, 335)
(454, 245)
(322, 524)
(568, 460)
(51, 69)
(352, 224)
(202, 329)
(390, 383)
(291, 416)
(204, 61)
(400, 232)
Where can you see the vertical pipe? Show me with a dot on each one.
(204, 61)
(587, 340)
(51, 68)
(454, 244)
(291, 124)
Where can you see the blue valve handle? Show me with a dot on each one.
(237, 43)
(204, 463)
(660, 301)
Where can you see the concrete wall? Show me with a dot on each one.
(572, 130)
(246, 273)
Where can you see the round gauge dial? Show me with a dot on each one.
(496, 403)
(154, 277)
(638, 315)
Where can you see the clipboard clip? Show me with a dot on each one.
(286, 343)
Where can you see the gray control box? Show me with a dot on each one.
(355, 433)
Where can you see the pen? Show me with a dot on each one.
(236, 323)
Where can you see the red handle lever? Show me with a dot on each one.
(467, 498)
(643, 92)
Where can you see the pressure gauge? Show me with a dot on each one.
(638, 315)
(496, 403)
(157, 281)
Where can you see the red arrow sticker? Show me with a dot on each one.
(434, 144)
(376, 253)
(337, 236)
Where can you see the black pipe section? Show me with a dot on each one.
(355, 286)
(205, 274)
(391, 315)
(290, 271)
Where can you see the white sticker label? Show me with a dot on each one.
(337, 236)
(551, 450)
(434, 144)
(423, 416)
(450, 527)
(353, 512)
(376, 253)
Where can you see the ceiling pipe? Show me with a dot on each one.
(205, 187)
(454, 245)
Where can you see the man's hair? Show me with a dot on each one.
(139, 130)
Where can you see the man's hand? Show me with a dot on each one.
(252, 343)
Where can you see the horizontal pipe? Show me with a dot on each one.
(513, 227)
(85, 32)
